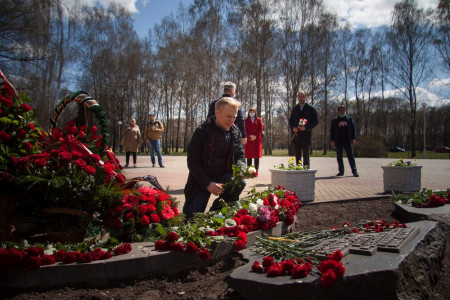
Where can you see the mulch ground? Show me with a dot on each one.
(212, 282)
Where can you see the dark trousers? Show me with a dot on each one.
(200, 200)
(302, 143)
(351, 157)
(249, 163)
(127, 157)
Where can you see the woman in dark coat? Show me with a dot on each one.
(253, 127)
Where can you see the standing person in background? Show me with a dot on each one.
(302, 121)
(343, 136)
(152, 133)
(132, 140)
(254, 127)
(229, 90)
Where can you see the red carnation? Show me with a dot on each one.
(70, 257)
(32, 262)
(336, 256)
(161, 245)
(27, 146)
(204, 254)
(256, 267)
(25, 107)
(47, 260)
(155, 218)
(274, 270)
(267, 261)
(239, 245)
(145, 220)
(14, 256)
(85, 258)
(191, 247)
(299, 271)
(328, 278)
(177, 246)
(172, 237)
(90, 170)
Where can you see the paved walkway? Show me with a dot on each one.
(435, 175)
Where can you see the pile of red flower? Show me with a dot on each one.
(141, 207)
(34, 257)
(171, 243)
(331, 269)
(435, 201)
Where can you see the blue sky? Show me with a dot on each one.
(152, 12)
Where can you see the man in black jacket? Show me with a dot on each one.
(302, 133)
(229, 90)
(343, 136)
(214, 147)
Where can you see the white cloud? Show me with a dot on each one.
(369, 13)
(128, 4)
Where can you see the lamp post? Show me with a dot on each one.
(424, 105)
(118, 140)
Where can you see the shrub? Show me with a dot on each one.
(370, 146)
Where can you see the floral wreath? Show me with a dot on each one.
(91, 104)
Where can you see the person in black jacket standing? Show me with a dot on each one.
(229, 90)
(214, 147)
(343, 136)
(302, 133)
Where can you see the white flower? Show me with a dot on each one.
(259, 203)
(251, 170)
(253, 208)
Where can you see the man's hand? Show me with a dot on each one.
(295, 129)
(333, 144)
(353, 142)
(215, 188)
(244, 141)
(302, 128)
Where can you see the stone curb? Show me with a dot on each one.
(143, 260)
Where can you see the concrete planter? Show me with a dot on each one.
(301, 182)
(401, 179)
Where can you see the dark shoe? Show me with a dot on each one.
(355, 174)
(340, 174)
(126, 166)
(161, 166)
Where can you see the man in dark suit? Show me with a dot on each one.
(302, 132)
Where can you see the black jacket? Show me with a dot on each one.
(351, 131)
(240, 120)
(308, 112)
(200, 150)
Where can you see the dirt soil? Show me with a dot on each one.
(212, 282)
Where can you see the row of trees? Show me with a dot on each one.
(270, 49)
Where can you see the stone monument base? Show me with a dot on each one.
(410, 274)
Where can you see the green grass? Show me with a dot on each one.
(319, 153)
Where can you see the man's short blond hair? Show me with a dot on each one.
(229, 86)
(227, 101)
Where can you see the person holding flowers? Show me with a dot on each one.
(212, 151)
(302, 121)
(343, 136)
